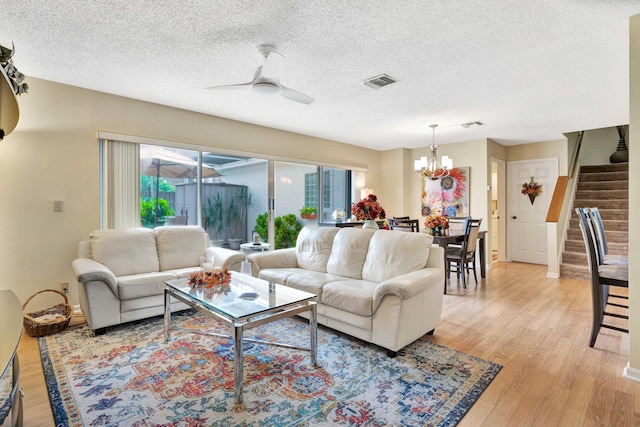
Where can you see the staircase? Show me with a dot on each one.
(605, 187)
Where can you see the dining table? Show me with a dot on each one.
(444, 241)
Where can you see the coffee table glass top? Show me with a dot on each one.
(246, 296)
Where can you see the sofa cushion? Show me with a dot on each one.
(313, 247)
(180, 246)
(311, 281)
(393, 253)
(349, 251)
(278, 275)
(354, 296)
(125, 252)
(142, 285)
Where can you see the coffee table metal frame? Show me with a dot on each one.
(174, 288)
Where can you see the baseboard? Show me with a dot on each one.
(551, 275)
(632, 374)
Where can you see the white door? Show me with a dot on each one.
(527, 221)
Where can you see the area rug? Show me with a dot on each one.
(131, 377)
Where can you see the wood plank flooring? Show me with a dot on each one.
(537, 328)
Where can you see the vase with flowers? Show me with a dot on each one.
(531, 189)
(368, 210)
(436, 225)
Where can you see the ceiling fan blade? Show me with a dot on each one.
(272, 67)
(294, 95)
(236, 86)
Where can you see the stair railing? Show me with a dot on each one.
(560, 210)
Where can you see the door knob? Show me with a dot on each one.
(514, 217)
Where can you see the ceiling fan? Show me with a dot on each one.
(266, 80)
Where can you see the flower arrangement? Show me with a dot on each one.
(368, 209)
(531, 188)
(209, 280)
(436, 224)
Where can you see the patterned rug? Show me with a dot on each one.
(130, 376)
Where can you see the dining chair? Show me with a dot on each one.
(458, 224)
(456, 255)
(410, 225)
(602, 278)
(601, 240)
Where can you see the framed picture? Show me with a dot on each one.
(447, 196)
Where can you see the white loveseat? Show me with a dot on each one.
(384, 287)
(120, 273)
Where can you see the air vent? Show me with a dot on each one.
(379, 81)
(468, 125)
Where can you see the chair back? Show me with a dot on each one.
(598, 228)
(401, 218)
(472, 237)
(410, 225)
(458, 225)
(586, 228)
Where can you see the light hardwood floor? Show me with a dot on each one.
(537, 328)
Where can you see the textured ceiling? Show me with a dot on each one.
(529, 70)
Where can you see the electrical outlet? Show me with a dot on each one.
(65, 287)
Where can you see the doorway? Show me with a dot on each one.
(527, 217)
(497, 227)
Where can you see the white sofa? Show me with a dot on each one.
(384, 287)
(120, 273)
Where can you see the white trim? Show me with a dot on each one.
(175, 144)
(630, 373)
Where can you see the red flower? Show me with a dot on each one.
(368, 209)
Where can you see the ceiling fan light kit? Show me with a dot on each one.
(266, 80)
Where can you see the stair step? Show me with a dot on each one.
(601, 204)
(618, 167)
(577, 246)
(603, 185)
(615, 225)
(575, 258)
(613, 195)
(603, 176)
(612, 236)
(575, 272)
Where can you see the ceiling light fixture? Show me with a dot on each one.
(431, 168)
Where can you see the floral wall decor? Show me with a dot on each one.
(447, 196)
(531, 189)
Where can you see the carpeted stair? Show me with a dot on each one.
(605, 187)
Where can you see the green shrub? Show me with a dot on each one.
(148, 211)
(287, 228)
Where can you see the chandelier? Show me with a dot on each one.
(431, 168)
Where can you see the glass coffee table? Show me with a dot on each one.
(245, 303)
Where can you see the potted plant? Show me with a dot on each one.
(309, 212)
(237, 215)
(213, 216)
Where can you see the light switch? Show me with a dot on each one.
(58, 206)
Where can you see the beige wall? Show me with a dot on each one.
(634, 195)
(598, 145)
(53, 155)
(541, 150)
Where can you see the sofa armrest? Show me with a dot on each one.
(281, 258)
(87, 270)
(408, 285)
(226, 258)
(436, 257)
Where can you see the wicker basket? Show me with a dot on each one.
(36, 328)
